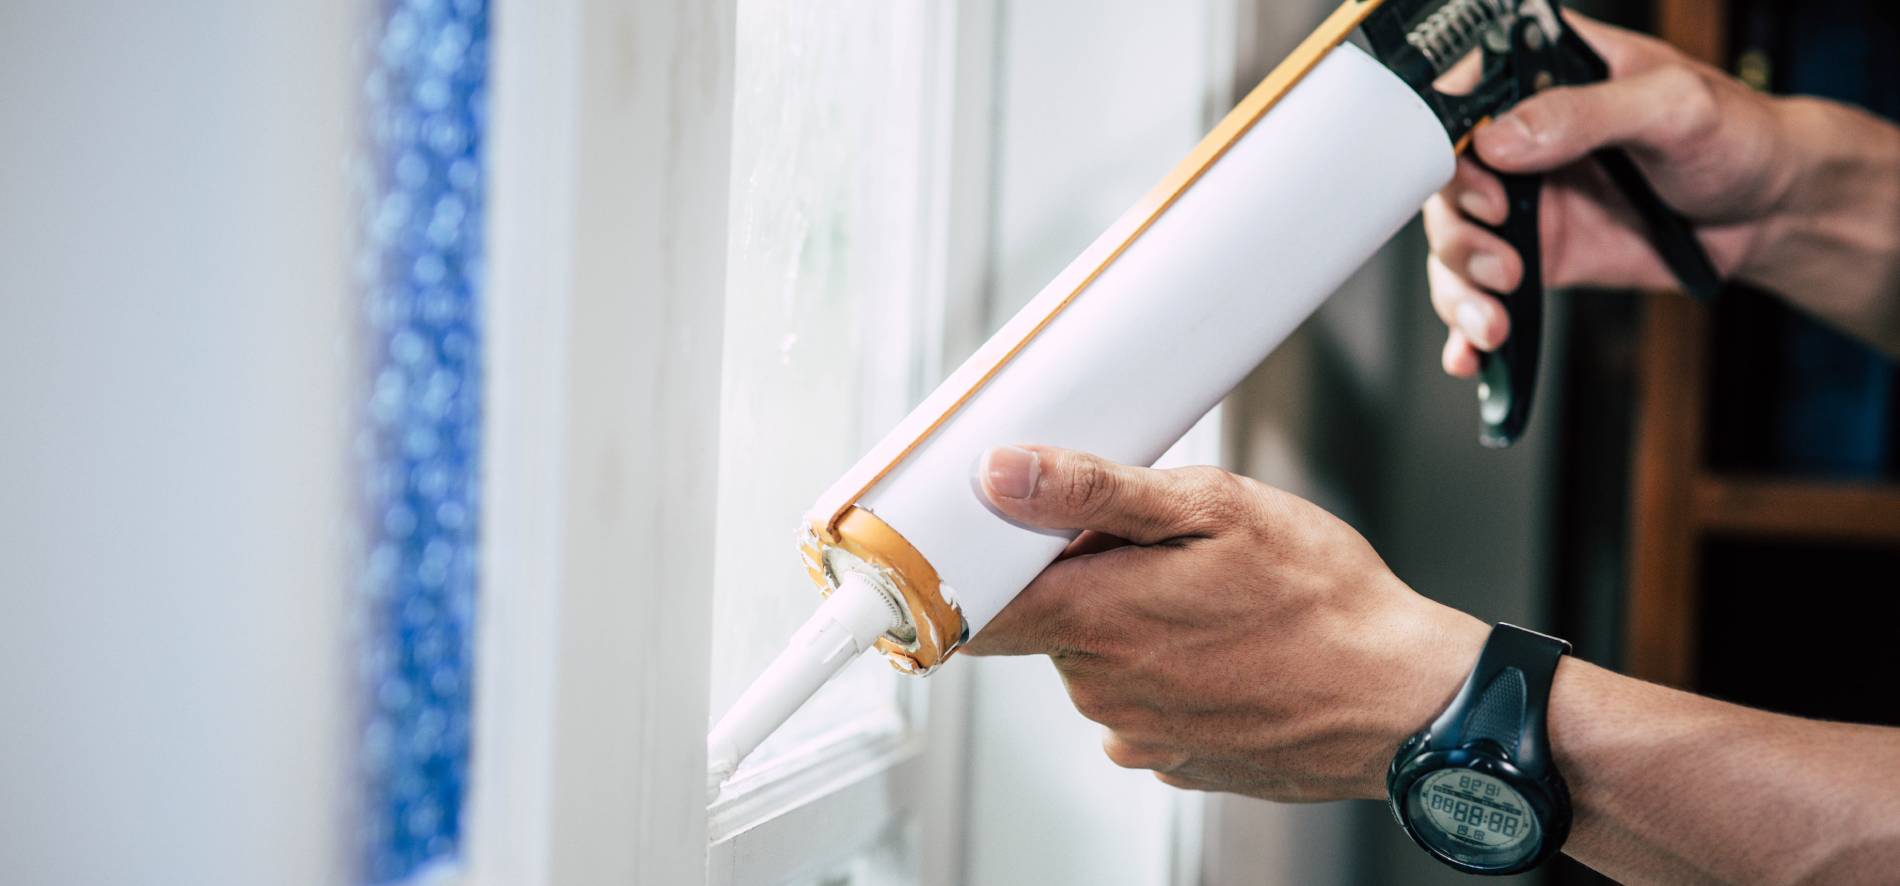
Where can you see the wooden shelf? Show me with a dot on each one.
(1811, 510)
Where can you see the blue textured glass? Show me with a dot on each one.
(419, 271)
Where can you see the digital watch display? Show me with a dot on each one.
(1477, 788)
(1475, 809)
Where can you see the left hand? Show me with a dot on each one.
(1230, 636)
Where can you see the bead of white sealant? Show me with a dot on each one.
(848, 623)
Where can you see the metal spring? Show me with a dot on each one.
(1447, 34)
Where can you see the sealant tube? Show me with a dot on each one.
(1140, 337)
(1144, 333)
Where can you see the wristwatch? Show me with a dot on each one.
(1478, 788)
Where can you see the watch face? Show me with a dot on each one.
(1474, 818)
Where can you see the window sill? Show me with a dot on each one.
(856, 752)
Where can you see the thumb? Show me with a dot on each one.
(1061, 489)
(1654, 112)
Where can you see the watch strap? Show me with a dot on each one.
(1506, 697)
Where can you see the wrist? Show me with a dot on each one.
(1438, 649)
(1834, 197)
(1478, 788)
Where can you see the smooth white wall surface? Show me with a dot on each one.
(174, 363)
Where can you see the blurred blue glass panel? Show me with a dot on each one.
(419, 271)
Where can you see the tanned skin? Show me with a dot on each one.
(1233, 637)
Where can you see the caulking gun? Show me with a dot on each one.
(1171, 307)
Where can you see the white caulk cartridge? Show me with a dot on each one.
(1137, 339)
(1134, 342)
(1170, 308)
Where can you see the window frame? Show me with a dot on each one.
(584, 759)
(833, 799)
(610, 135)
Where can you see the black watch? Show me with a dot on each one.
(1478, 788)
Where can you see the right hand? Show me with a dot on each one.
(1715, 150)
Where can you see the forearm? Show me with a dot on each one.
(1832, 247)
(1673, 787)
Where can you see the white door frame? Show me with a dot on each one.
(610, 139)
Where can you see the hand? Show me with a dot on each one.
(1231, 636)
(1715, 150)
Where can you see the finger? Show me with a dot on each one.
(1477, 193)
(1464, 307)
(1462, 77)
(1063, 489)
(1187, 783)
(1627, 52)
(1460, 359)
(1044, 619)
(1477, 254)
(1030, 623)
(1657, 111)
(1091, 542)
(1133, 755)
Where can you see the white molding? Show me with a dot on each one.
(943, 785)
(530, 231)
(853, 811)
(855, 751)
(866, 789)
(609, 167)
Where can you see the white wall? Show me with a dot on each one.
(173, 372)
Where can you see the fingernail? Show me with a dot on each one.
(1474, 205)
(1471, 323)
(1011, 472)
(1509, 136)
(1486, 270)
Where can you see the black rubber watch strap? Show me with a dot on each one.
(1507, 695)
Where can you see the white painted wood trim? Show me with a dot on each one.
(786, 785)
(530, 229)
(609, 161)
(843, 795)
(854, 811)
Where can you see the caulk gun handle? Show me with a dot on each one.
(1669, 232)
(1507, 376)
(1672, 236)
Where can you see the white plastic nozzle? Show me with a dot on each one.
(849, 622)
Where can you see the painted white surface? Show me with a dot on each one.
(175, 360)
(1186, 312)
(611, 146)
(840, 303)
(829, 307)
(530, 235)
